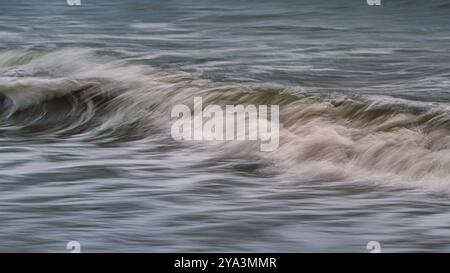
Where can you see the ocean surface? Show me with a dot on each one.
(86, 152)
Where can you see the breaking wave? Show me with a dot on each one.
(77, 93)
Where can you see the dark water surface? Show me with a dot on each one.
(85, 146)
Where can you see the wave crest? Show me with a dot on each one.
(324, 137)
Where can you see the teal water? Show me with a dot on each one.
(85, 146)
